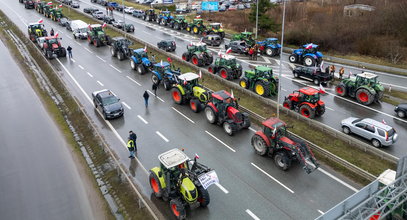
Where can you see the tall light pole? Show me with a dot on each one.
(281, 64)
(257, 17)
(123, 13)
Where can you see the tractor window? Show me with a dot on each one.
(268, 132)
(311, 98)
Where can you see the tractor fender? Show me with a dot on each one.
(272, 46)
(262, 135)
(200, 93)
(234, 114)
(156, 171)
(213, 106)
(145, 61)
(158, 75)
(134, 59)
(181, 89)
(319, 54)
(368, 88)
(321, 103)
(298, 51)
(309, 104)
(311, 55)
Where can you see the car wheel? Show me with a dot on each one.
(316, 81)
(401, 114)
(296, 75)
(376, 143)
(346, 130)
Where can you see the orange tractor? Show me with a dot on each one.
(306, 101)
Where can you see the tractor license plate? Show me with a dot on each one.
(208, 179)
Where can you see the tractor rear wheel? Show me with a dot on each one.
(363, 96)
(133, 64)
(229, 128)
(120, 55)
(307, 111)
(177, 96)
(185, 56)
(270, 52)
(195, 30)
(203, 196)
(155, 79)
(176, 26)
(259, 145)
(178, 209)
(195, 60)
(282, 160)
(167, 85)
(113, 51)
(244, 82)
(210, 115)
(195, 105)
(262, 88)
(309, 61)
(155, 185)
(211, 69)
(140, 69)
(224, 73)
(62, 52)
(340, 89)
(293, 58)
(316, 81)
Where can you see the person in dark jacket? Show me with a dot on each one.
(51, 32)
(155, 87)
(146, 96)
(131, 146)
(69, 49)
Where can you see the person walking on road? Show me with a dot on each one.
(341, 72)
(155, 87)
(69, 49)
(51, 32)
(131, 146)
(146, 96)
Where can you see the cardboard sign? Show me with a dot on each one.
(208, 179)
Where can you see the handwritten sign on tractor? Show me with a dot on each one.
(208, 179)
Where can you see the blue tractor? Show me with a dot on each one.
(270, 46)
(140, 62)
(162, 72)
(164, 18)
(308, 55)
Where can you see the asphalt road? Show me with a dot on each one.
(38, 177)
(250, 185)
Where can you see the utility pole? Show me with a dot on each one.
(123, 13)
(257, 17)
(281, 63)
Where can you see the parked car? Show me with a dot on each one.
(75, 4)
(247, 5)
(90, 10)
(63, 22)
(128, 28)
(128, 10)
(237, 46)
(99, 15)
(401, 110)
(212, 40)
(108, 19)
(167, 45)
(138, 13)
(379, 133)
(119, 8)
(240, 7)
(103, 2)
(108, 104)
(222, 8)
(232, 8)
(313, 73)
(118, 24)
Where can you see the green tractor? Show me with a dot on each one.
(365, 88)
(47, 10)
(244, 36)
(56, 14)
(36, 30)
(39, 7)
(97, 36)
(214, 28)
(261, 80)
(189, 90)
(182, 181)
(196, 27)
(198, 54)
(226, 67)
(179, 22)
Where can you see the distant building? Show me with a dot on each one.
(357, 10)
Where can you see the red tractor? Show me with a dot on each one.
(306, 101)
(52, 47)
(275, 141)
(223, 110)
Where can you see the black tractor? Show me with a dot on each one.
(120, 48)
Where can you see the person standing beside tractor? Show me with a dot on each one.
(51, 32)
(154, 88)
(332, 70)
(341, 72)
(131, 146)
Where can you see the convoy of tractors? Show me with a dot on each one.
(178, 179)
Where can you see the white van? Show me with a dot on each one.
(79, 29)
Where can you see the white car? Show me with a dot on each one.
(129, 10)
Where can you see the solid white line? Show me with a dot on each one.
(337, 179)
(392, 85)
(100, 83)
(329, 108)
(73, 60)
(146, 32)
(115, 68)
(222, 188)
(155, 96)
(183, 115)
(285, 90)
(133, 80)
(220, 141)
(88, 50)
(89, 74)
(76, 42)
(142, 119)
(252, 214)
(69, 37)
(273, 178)
(127, 106)
(101, 58)
(252, 129)
(81, 67)
(162, 136)
(321, 212)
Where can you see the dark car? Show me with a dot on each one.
(108, 19)
(63, 22)
(103, 2)
(119, 7)
(237, 46)
(138, 13)
(401, 110)
(107, 103)
(313, 73)
(90, 10)
(75, 4)
(167, 45)
(212, 40)
(128, 28)
(28, 4)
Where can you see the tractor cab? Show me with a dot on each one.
(165, 14)
(216, 26)
(310, 48)
(306, 94)
(162, 67)
(173, 161)
(37, 29)
(179, 17)
(197, 47)
(198, 21)
(366, 78)
(274, 127)
(52, 42)
(222, 99)
(140, 53)
(271, 41)
(263, 72)
(189, 79)
(150, 12)
(95, 28)
(226, 60)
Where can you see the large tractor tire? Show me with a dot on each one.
(177, 96)
(167, 84)
(309, 61)
(320, 110)
(203, 196)
(195, 30)
(307, 111)
(211, 69)
(141, 69)
(155, 185)
(176, 26)
(225, 73)
(238, 74)
(163, 22)
(195, 105)
(229, 128)
(271, 52)
(120, 56)
(273, 87)
(288, 104)
(133, 64)
(155, 79)
(244, 82)
(364, 96)
(210, 115)
(340, 90)
(113, 52)
(188, 29)
(246, 122)
(259, 145)
(262, 88)
(293, 58)
(178, 209)
(282, 160)
(185, 56)
(62, 53)
(195, 60)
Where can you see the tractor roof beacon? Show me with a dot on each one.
(275, 141)
(306, 101)
(260, 80)
(226, 67)
(178, 179)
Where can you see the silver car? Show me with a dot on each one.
(379, 133)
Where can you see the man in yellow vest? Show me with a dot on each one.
(132, 147)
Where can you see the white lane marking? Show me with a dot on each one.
(146, 32)
(101, 58)
(162, 136)
(252, 214)
(183, 115)
(142, 119)
(100, 83)
(88, 50)
(69, 37)
(392, 85)
(155, 95)
(81, 67)
(128, 77)
(76, 42)
(73, 60)
(252, 129)
(60, 31)
(285, 90)
(115, 68)
(127, 106)
(272, 178)
(89, 74)
(220, 141)
(337, 179)
(266, 59)
(329, 108)
(222, 188)
(321, 212)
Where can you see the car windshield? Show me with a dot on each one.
(110, 100)
(356, 121)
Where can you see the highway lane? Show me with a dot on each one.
(126, 89)
(38, 176)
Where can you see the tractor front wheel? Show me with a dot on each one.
(203, 196)
(259, 145)
(177, 96)
(282, 160)
(155, 79)
(195, 30)
(230, 128)
(178, 209)
(185, 56)
(270, 52)
(195, 60)
(309, 61)
(244, 82)
(195, 105)
(320, 110)
(340, 90)
(211, 69)
(155, 185)
(224, 73)
(113, 51)
(307, 111)
(120, 55)
(287, 104)
(210, 115)
(364, 97)
(140, 69)
(133, 64)
(293, 58)
(176, 26)
(167, 85)
(262, 88)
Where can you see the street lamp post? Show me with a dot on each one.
(257, 17)
(123, 12)
(281, 63)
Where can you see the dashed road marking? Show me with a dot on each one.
(155, 96)
(162, 136)
(115, 68)
(261, 170)
(321, 212)
(146, 32)
(88, 50)
(252, 214)
(128, 77)
(76, 42)
(222, 188)
(100, 83)
(81, 67)
(338, 180)
(183, 115)
(101, 58)
(89, 74)
(73, 60)
(69, 37)
(285, 90)
(220, 141)
(142, 119)
(252, 129)
(127, 106)
(329, 108)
